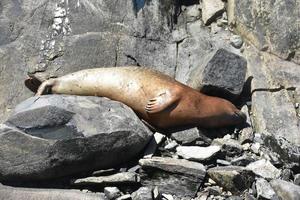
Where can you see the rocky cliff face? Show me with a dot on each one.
(245, 51)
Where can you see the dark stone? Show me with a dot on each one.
(223, 74)
(55, 143)
(286, 174)
(186, 136)
(234, 179)
(243, 160)
(230, 147)
(12, 193)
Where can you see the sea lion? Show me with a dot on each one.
(158, 99)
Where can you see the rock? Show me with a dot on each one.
(62, 135)
(143, 193)
(234, 179)
(197, 153)
(153, 144)
(229, 146)
(264, 190)
(171, 144)
(124, 197)
(178, 177)
(211, 10)
(122, 177)
(286, 190)
(257, 22)
(279, 128)
(186, 136)
(264, 169)
(112, 192)
(167, 197)
(286, 174)
(243, 160)
(214, 190)
(223, 74)
(236, 41)
(255, 147)
(246, 134)
(173, 165)
(297, 179)
(8, 193)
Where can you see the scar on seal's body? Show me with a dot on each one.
(158, 99)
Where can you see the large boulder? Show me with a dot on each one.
(55, 135)
(269, 25)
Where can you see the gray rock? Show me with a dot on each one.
(264, 190)
(264, 169)
(246, 134)
(112, 192)
(236, 41)
(62, 135)
(143, 193)
(230, 147)
(286, 174)
(122, 177)
(124, 197)
(211, 10)
(223, 74)
(153, 145)
(12, 193)
(186, 136)
(178, 177)
(243, 160)
(286, 190)
(234, 179)
(297, 179)
(258, 23)
(173, 165)
(197, 153)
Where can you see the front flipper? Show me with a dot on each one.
(45, 87)
(161, 102)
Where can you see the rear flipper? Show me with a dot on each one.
(161, 102)
(32, 84)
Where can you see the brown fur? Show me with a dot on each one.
(158, 99)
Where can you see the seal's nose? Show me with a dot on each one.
(240, 116)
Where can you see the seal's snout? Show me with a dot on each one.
(240, 117)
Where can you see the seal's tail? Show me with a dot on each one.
(32, 84)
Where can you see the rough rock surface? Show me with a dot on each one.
(12, 193)
(223, 74)
(61, 135)
(258, 22)
(264, 169)
(264, 190)
(211, 10)
(234, 179)
(142, 193)
(286, 190)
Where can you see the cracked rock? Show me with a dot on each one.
(211, 10)
(112, 192)
(186, 136)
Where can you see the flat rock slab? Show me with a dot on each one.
(286, 190)
(119, 178)
(222, 73)
(234, 179)
(172, 176)
(197, 153)
(265, 169)
(55, 135)
(174, 165)
(12, 193)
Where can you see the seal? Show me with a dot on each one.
(158, 99)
